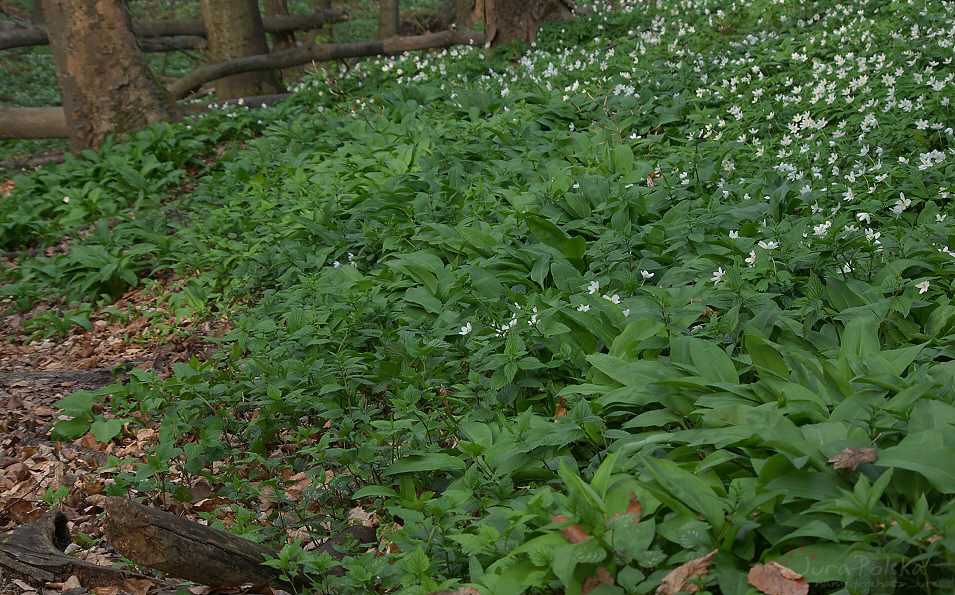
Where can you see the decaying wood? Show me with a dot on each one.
(30, 35)
(185, 549)
(322, 53)
(34, 554)
(195, 552)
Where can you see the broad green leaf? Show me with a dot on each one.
(621, 158)
(930, 463)
(105, 430)
(369, 491)
(575, 484)
(688, 489)
(546, 232)
(435, 461)
(816, 486)
(859, 337)
(77, 403)
(602, 476)
(566, 277)
(820, 562)
(711, 361)
(633, 334)
(575, 248)
(70, 429)
(766, 356)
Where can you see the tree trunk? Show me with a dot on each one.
(36, 13)
(282, 40)
(462, 11)
(507, 20)
(104, 83)
(389, 21)
(322, 34)
(234, 30)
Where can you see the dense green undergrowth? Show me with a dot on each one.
(690, 263)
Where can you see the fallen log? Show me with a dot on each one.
(34, 554)
(30, 35)
(195, 552)
(325, 52)
(50, 122)
(33, 122)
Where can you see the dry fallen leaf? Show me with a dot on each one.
(201, 489)
(573, 533)
(114, 590)
(679, 578)
(137, 586)
(360, 516)
(593, 582)
(634, 507)
(71, 583)
(851, 457)
(561, 408)
(776, 579)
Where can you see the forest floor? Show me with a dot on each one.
(34, 470)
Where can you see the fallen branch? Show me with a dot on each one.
(177, 43)
(30, 35)
(195, 552)
(34, 554)
(322, 53)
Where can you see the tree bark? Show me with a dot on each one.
(195, 552)
(284, 40)
(462, 12)
(234, 30)
(507, 20)
(281, 40)
(389, 19)
(34, 553)
(323, 53)
(104, 83)
(182, 548)
(33, 122)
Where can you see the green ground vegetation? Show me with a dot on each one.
(683, 254)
